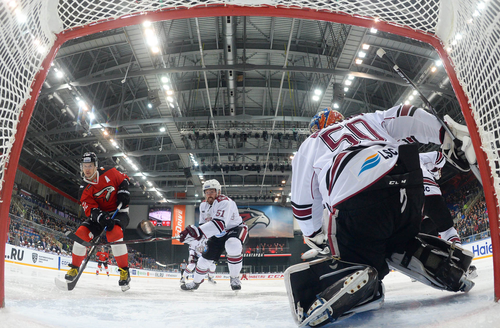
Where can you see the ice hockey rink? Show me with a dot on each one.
(32, 300)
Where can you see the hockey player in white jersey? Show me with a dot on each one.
(373, 187)
(224, 229)
(196, 248)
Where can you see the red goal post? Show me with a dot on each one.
(463, 32)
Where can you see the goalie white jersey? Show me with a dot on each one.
(431, 164)
(345, 158)
(222, 216)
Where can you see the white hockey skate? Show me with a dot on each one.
(235, 283)
(191, 285)
(210, 279)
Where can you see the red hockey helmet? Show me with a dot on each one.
(324, 118)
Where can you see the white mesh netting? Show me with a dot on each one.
(474, 42)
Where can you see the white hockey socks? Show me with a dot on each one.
(451, 235)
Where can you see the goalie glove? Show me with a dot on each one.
(459, 152)
(318, 243)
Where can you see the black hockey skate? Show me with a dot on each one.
(124, 279)
(72, 273)
(235, 283)
(183, 280)
(191, 285)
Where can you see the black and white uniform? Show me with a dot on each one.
(437, 216)
(359, 167)
(222, 225)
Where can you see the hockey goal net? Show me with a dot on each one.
(464, 32)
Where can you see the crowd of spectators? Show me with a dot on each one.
(33, 228)
(468, 208)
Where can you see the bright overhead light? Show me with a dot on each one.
(166, 87)
(21, 18)
(117, 146)
(410, 98)
(373, 30)
(155, 50)
(438, 63)
(433, 69)
(152, 41)
(170, 92)
(149, 32)
(143, 177)
(150, 105)
(105, 132)
(407, 102)
(195, 195)
(346, 89)
(414, 92)
(91, 116)
(170, 99)
(359, 61)
(59, 74)
(480, 6)
(149, 183)
(365, 46)
(350, 77)
(12, 4)
(162, 129)
(348, 82)
(317, 92)
(362, 54)
(146, 24)
(164, 79)
(283, 181)
(172, 105)
(315, 98)
(335, 105)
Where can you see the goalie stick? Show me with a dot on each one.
(70, 285)
(74, 237)
(382, 54)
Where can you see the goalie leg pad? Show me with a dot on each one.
(431, 266)
(329, 290)
(461, 256)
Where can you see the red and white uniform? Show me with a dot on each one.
(224, 216)
(430, 162)
(342, 160)
(103, 194)
(102, 257)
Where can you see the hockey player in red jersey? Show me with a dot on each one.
(102, 191)
(102, 259)
(224, 229)
(372, 185)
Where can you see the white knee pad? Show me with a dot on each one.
(203, 263)
(233, 247)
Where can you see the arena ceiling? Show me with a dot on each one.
(175, 103)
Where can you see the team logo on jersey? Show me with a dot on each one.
(105, 193)
(253, 217)
(370, 162)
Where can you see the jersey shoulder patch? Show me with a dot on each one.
(221, 198)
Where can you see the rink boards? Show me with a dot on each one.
(34, 258)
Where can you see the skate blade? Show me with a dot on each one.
(125, 288)
(61, 284)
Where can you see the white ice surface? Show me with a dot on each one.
(32, 300)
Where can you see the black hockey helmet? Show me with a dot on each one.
(89, 157)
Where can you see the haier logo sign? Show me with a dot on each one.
(482, 249)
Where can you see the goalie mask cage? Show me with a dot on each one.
(465, 33)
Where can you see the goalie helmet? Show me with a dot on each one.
(324, 118)
(212, 184)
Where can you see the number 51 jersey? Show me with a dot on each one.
(345, 158)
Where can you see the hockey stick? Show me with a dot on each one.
(70, 285)
(74, 237)
(382, 54)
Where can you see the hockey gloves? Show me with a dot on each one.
(123, 195)
(103, 218)
(459, 151)
(190, 234)
(318, 243)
